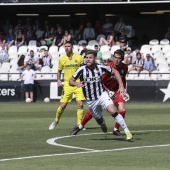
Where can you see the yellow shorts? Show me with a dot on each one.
(68, 92)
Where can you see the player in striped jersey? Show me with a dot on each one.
(69, 63)
(96, 96)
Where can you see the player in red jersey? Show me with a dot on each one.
(112, 86)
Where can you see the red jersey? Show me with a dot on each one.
(110, 81)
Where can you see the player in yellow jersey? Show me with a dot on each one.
(69, 63)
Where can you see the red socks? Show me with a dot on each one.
(86, 118)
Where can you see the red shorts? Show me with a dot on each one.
(118, 98)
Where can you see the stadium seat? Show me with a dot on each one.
(114, 48)
(158, 54)
(99, 36)
(166, 49)
(104, 48)
(34, 48)
(4, 74)
(154, 42)
(14, 77)
(90, 47)
(93, 42)
(132, 75)
(106, 55)
(5, 66)
(13, 56)
(61, 50)
(42, 48)
(32, 43)
(49, 76)
(145, 49)
(154, 75)
(76, 49)
(144, 75)
(163, 67)
(164, 42)
(12, 50)
(81, 42)
(165, 76)
(53, 49)
(156, 49)
(23, 51)
(13, 61)
(45, 69)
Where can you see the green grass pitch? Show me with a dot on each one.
(24, 134)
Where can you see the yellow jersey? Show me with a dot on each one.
(69, 66)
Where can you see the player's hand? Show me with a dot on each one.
(79, 84)
(111, 94)
(59, 83)
(126, 97)
(122, 91)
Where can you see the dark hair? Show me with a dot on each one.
(21, 60)
(120, 52)
(69, 42)
(138, 54)
(91, 52)
(31, 51)
(84, 44)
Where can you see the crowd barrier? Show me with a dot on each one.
(139, 91)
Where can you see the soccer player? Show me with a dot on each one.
(69, 63)
(111, 84)
(96, 95)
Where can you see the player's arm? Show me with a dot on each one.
(119, 80)
(59, 78)
(72, 82)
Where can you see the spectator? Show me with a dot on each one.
(49, 37)
(110, 41)
(21, 64)
(88, 33)
(58, 37)
(19, 39)
(122, 39)
(9, 38)
(99, 54)
(28, 34)
(84, 50)
(39, 36)
(36, 26)
(167, 35)
(128, 59)
(19, 26)
(7, 26)
(107, 27)
(97, 28)
(46, 58)
(149, 63)
(138, 64)
(79, 33)
(29, 75)
(119, 26)
(32, 59)
(66, 37)
(3, 54)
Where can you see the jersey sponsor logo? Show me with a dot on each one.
(92, 79)
(71, 66)
(7, 92)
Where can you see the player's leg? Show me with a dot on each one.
(122, 111)
(31, 88)
(26, 91)
(65, 98)
(107, 103)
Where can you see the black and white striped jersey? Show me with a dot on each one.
(92, 80)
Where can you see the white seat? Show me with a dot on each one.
(132, 75)
(165, 76)
(154, 42)
(14, 77)
(13, 55)
(61, 50)
(156, 49)
(49, 76)
(76, 49)
(166, 49)
(12, 50)
(5, 65)
(53, 49)
(106, 55)
(154, 75)
(32, 43)
(104, 48)
(99, 36)
(34, 48)
(145, 49)
(164, 42)
(23, 50)
(160, 59)
(39, 76)
(81, 42)
(163, 67)
(158, 54)
(114, 48)
(45, 69)
(93, 42)
(90, 47)
(144, 75)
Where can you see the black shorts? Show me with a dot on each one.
(29, 87)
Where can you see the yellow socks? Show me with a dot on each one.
(59, 114)
(80, 113)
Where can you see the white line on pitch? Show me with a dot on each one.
(89, 150)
